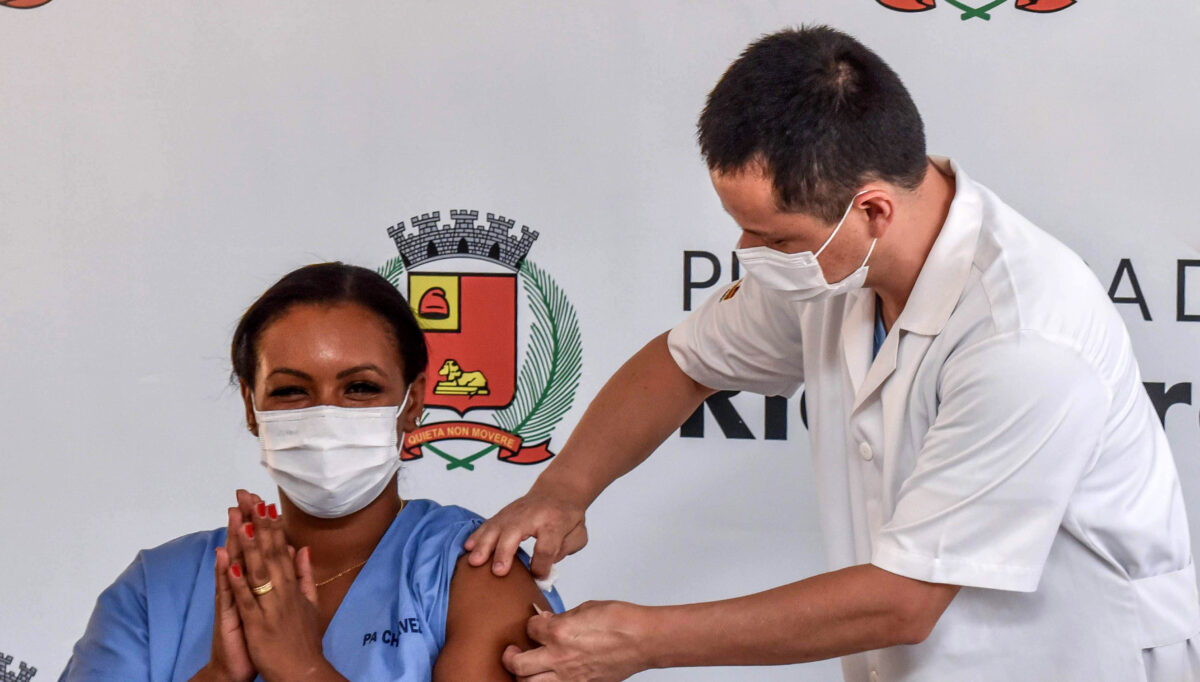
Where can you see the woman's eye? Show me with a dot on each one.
(363, 388)
(284, 391)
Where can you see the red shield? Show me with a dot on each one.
(470, 323)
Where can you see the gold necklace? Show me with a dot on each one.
(359, 564)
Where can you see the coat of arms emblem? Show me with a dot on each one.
(463, 282)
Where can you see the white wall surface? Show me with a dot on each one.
(161, 163)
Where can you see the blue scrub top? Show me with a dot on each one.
(155, 622)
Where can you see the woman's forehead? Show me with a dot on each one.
(328, 333)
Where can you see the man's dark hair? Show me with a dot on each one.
(329, 284)
(822, 112)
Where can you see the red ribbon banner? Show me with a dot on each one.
(510, 445)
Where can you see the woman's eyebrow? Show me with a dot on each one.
(289, 370)
(359, 368)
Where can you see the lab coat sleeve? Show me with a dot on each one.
(116, 644)
(1020, 420)
(743, 338)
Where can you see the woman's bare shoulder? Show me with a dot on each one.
(487, 613)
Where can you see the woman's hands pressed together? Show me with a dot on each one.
(230, 660)
(266, 621)
(277, 601)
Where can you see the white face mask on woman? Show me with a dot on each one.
(798, 276)
(331, 461)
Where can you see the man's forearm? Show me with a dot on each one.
(635, 411)
(833, 614)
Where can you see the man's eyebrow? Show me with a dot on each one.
(358, 368)
(293, 372)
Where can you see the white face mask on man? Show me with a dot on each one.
(798, 276)
(331, 461)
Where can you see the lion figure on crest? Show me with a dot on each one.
(459, 382)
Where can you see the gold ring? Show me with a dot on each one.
(262, 589)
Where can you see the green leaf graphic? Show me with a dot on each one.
(553, 363)
(392, 271)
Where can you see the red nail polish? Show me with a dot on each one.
(262, 509)
(237, 571)
(249, 528)
(272, 511)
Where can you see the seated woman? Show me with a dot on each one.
(344, 580)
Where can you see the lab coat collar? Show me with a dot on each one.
(944, 275)
(858, 334)
(867, 375)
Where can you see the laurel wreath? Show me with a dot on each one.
(553, 364)
(549, 374)
(392, 271)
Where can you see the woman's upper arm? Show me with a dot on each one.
(485, 615)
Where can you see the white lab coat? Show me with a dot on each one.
(1001, 440)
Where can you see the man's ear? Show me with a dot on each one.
(880, 207)
(247, 401)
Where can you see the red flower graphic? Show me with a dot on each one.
(908, 5)
(1044, 5)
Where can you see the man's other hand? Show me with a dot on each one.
(594, 642)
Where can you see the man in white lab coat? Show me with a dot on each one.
(998, 498)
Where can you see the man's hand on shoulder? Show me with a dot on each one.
(553, 518)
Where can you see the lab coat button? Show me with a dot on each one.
(865, 451)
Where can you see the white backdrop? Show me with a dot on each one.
(162, 163)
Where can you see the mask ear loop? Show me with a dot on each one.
(843, 222)
(869, 252)
(407, 395)
(404, 403)
(257, 415)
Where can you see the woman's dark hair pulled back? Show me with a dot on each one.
(328, 284)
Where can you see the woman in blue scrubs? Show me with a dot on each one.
(343, 580)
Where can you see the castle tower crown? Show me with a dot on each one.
(466, 238)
